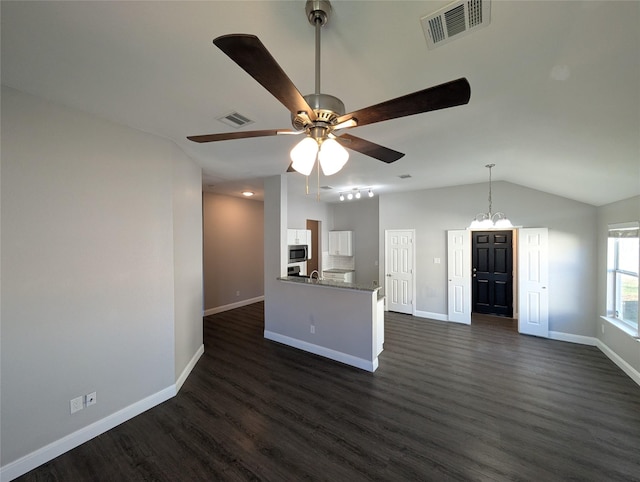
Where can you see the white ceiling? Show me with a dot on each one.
(555, 86)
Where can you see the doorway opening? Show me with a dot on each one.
(492, 266)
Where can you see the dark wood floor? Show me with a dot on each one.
(449, 402)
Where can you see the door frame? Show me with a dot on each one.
(513, 262)
(413, 266)
(465, 317)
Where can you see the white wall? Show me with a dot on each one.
(623, 345)
(572, 246)
(100, 291)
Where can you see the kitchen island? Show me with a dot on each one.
(335, 319)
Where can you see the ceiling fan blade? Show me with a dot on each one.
(290, 168)
(450, 94)
(370, 149)
(225, 136)
(249, 53)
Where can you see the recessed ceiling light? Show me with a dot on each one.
(404, 176)
(247, 193)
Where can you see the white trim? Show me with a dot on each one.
(30, 461)
(431, 316)
(368, 365)
(571, 338)
(591, 341)
(49, 452)
(187, 370)
(622, 326)
(233, 306)
(615, 358)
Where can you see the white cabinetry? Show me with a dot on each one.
(346, 277)
(299, 236)
(341, 243)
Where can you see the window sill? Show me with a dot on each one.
(629, 330)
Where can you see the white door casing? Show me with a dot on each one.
(399, 279)
(459, 276)
(533, 268)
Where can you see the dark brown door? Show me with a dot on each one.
(314, 262)
(492, 276)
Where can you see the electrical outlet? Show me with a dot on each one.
(90, 399)
(76, 404)
(312, 328)
(602, 328)
(237, 293)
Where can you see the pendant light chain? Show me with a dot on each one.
(490, 198)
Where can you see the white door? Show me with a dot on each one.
(459, 275)
(399, 270)
(533, 296)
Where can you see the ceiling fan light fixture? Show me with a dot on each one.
(332, 156)
(370, 193)
(341, 197)
(304, 154)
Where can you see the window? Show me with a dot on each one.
(623, 254)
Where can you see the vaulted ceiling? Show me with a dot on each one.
(555, 86)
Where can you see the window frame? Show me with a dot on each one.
(613, 276)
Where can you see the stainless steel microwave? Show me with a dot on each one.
(298, 253)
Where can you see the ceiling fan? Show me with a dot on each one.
(321, 116)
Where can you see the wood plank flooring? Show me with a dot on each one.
(448, 402)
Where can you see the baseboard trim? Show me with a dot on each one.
(368, 365)
(579, 339)
(622, 364)
(49, 452)
(187, 370)
(592, 341)
(431, 316)
(233, 306)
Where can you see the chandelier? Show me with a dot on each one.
(489, 220)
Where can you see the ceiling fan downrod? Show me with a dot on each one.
(318, 14)
(326, 107)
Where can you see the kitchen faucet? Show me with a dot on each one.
(316, 272)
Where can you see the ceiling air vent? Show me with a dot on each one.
(234, 119)
(455, 21)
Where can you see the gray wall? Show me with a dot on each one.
(572, 246)
(361, 217)
(617, 340)
(233, 250)
(301, 208)
(92, 269)
(187, 259)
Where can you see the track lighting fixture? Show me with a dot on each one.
(356, 193)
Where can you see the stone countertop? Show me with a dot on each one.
(338, 270)
(330, 283)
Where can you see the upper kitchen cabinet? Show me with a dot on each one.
(341, 243)
(299, 236)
